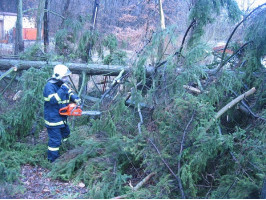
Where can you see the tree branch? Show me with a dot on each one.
(230, 37)
(180, 154)
(8, 72)
(139, 185)
(192, 89)
(166, 164)
(184, 38)
(232, 103)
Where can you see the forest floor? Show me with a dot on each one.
(34, 183)
(38, 186)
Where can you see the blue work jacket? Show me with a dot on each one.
(56, 96)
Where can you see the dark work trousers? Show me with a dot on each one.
(56, 135)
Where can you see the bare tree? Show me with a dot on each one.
(162, 21)
(93, 24)
(65, 10)
(46, 26)
(40, 15)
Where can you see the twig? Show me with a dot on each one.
(9, 84)
(242, 47)
(172, 172)
(159, 153)
(248, 108)
(141, 119)
(139, 185)
(114, 84)
(184, 38)
(180, 154)
(230, 186)
(96, 85)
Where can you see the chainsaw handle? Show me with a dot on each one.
(63, 111)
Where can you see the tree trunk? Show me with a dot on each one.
(40, 15)
(162, 22)
(95, 13)
(93, 25)
(46, 26)
(66, 6)
(19, 44)
(76, 68)
(162, 18)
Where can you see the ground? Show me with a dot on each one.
(34, 183)
(39, 186)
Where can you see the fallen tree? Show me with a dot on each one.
(76, 68)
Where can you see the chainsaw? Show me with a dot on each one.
(75, 110)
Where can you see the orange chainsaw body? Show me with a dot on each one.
(71, 110)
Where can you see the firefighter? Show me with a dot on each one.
(57, 94)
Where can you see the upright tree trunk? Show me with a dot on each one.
(19, 44)
(93, 25)
(66, 6)
(40, 15)
(162, 23)
(95, 13)
(162, 18)
(46, 26)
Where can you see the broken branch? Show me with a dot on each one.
(192, 89)
(232, 103)
(8, 72)
(139, 185)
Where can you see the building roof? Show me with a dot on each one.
(8, 13)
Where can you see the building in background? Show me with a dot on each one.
(8, 18)
(8, 27)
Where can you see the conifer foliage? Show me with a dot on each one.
(168, 129)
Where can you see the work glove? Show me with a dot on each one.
(77, 101)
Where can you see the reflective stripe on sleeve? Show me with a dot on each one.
(71, 94)
(53, 148)
(62, 102)
(55, 95)
(54, 124)
(64, 140)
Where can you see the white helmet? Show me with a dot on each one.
(60, 71)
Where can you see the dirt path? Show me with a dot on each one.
(38, 186)
(35, 184)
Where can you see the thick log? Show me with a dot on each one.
(75, 68)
